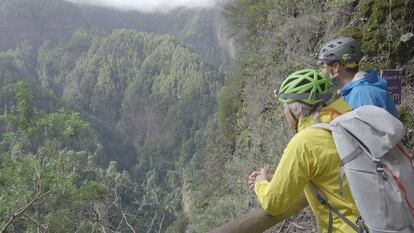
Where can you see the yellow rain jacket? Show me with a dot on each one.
(310, 156)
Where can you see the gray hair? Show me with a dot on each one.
(302, 110)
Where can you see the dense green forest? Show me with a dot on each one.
(118, 121)
(38, 20)
(99, 129)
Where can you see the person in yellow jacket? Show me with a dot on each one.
(309, 158)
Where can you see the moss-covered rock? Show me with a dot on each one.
(380, 26)
(406, 116)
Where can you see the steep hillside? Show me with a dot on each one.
(275, 38)
(203, 29)
(150, 86)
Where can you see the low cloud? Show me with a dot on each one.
(147, 5)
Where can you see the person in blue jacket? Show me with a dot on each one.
(339, 59)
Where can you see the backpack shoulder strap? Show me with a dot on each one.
(348, 158)
(324, 201)
(325, 126)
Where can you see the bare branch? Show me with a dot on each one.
(161, 222)
(297, 225)
(152, 222)
(282, 226)
(93, 226)
(34, 222)
(127, 223)
(23, 209)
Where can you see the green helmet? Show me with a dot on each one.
(308, 86)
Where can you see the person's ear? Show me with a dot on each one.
(336, 67)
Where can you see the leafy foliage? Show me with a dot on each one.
(33, 167)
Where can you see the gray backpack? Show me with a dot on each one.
(378, 169)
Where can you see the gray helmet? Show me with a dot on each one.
(345, 50)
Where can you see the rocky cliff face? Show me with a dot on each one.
(36, 21)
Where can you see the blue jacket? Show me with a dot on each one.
(370, 90)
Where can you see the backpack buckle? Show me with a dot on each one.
(321, 199)
(380, 167)
(362, 228)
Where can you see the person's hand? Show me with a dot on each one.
(262, 175)
(252, 179)
(257, 176)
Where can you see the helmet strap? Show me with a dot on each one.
(295, 119)
(335, 80)
(333, 76)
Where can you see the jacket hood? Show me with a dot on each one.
(326, 114)
(371, 78)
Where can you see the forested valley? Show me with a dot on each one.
(123, 121)
(101, 123)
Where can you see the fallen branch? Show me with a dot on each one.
(297, 226)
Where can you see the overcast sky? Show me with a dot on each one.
(147, 5)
